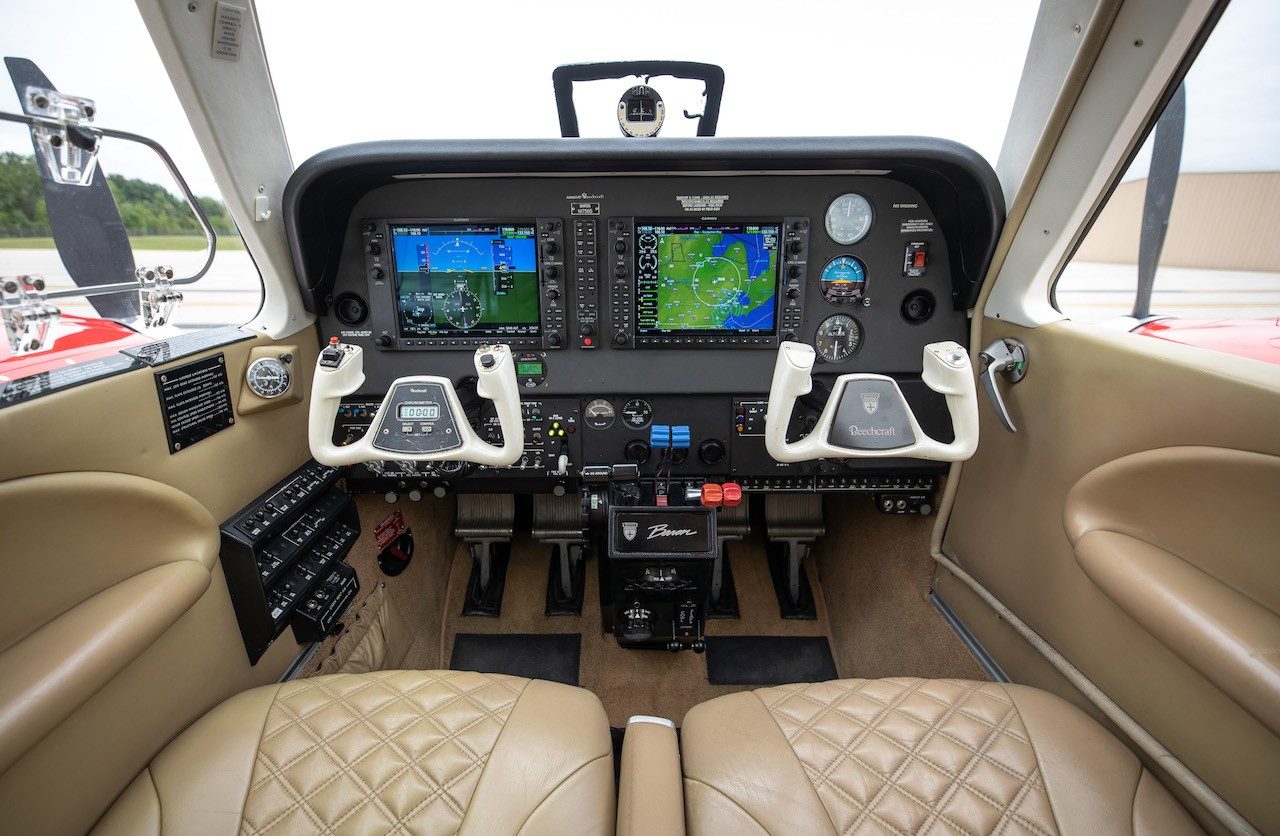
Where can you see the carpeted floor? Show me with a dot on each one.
(873, 573)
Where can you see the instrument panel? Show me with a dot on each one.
(641, 299)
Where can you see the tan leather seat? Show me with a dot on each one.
(394, 751)
(913, 756)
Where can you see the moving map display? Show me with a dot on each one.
(708, 278)
(473, 279)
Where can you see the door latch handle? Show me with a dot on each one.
(1008, 358)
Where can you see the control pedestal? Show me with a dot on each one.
(660, 562)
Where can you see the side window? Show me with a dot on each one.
(132, 215)
(1186, 248)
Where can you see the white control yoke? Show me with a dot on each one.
(496, 374)
(946, 371)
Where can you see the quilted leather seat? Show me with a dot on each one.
(913, 756)
(395, 751)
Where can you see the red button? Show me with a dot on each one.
(712, 496)
(917, 260)
(586, 341)
(732, 494)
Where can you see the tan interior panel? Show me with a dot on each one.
(123, 617)
(1092, 400)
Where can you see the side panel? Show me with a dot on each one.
(114, 426)
(1091, 398)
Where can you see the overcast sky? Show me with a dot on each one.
(347, 72)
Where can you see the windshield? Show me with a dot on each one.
(131, 94)
(483, 70)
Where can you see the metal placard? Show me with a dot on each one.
(195, 401)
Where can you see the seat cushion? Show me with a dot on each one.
(392, 751)
(913, 756)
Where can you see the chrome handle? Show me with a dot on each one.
(1008, 358)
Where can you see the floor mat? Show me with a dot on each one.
(536, 656)
(769, 660)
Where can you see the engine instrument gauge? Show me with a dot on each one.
(268, 378)
(599, 414)
(849, 218)
(844, 280)
(637, 414)
(838, 338)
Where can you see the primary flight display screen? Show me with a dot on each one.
(709, 278)
(476, 280)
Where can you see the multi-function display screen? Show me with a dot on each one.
(709, 278)
(478, 280)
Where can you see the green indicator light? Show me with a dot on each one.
(529, 369)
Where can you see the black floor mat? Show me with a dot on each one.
(537, 656)
(768, 660)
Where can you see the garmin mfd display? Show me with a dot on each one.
(710, 278)
(476, 280)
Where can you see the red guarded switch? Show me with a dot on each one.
(712, 495)
(731, 493)
(918, 259)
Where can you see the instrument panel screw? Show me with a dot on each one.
(191, 7)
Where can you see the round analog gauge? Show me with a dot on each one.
(637, 414)
(838, 338)
(599, 414)
(844, 280)
(462, 308)
(849, 218)
(268, 378)
(449, 469)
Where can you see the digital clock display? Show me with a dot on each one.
(418, 411)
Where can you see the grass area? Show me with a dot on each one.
(141, 242)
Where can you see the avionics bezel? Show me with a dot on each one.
(703, 338)
(385, 287)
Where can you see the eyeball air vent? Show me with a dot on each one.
(351, 309)
(918, 307)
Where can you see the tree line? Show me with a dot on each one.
(146, 208)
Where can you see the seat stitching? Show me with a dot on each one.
(865, 809)
(345, 767)
(994, 732)
(973, 760)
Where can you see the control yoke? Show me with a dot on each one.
(420, 418)
(867, 416)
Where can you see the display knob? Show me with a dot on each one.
(637, 451)
(550, 247)
(637, 625)
(553, 293)
(553, 340)
(587, 329)
(796, 247)
(793, 292)
(383, 341)
(619, 246)
(372, 249)
(376, 274)
(620, 271)
(711, 451)
(794, 271)
(620, 338)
